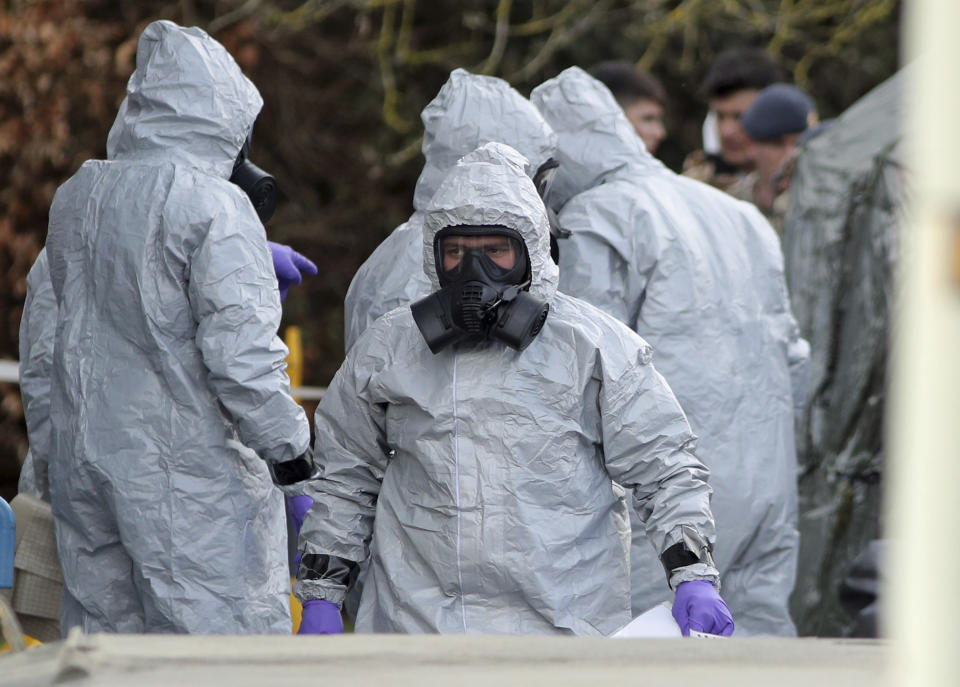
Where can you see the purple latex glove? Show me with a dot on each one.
(298, 507)
(288, 264)
(320, 618)
(698, 606)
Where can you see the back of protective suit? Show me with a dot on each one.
(167, 373)
(699, 275)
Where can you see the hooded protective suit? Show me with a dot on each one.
(167, 371)
(484, 473)
(469, 110)
(700, 276)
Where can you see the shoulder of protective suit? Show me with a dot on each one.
(199, 195)
(87, 174)
(384, 255)
(589, 326)
(726, 208)
(723, 200)
(628, 215)
(39, 273)
(611, 196)
(406, 238)
(392, 336)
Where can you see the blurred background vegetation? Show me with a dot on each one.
(344, 82)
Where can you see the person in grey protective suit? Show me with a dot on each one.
(469, 110)
(475, 435)
(169, 406)
(700, 276)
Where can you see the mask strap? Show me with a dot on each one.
(508, 295)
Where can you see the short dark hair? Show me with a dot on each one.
(740, 69)
(628, 82)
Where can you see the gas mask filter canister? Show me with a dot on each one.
(259, 186)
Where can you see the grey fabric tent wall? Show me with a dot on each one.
(841, 247)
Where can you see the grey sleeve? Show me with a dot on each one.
(37, 328)
(648, 447)
(352, 454)
(235, 301)
(798, 360)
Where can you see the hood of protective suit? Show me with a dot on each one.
(574, 103)
(490, 186)
(187, 101)
(471, 110)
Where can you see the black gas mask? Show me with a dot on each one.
(484, 273)
(543, 180)
(259, 186)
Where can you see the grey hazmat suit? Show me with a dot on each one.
(700, 276)
(469, 110)
(37, 329)
(168, 382)
(484, 473)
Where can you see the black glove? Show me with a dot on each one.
(692, 548)
(292, 471)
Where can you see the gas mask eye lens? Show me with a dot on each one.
(500, 253)
(452, 252)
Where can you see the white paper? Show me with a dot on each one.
(658, 622)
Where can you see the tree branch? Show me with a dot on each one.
(499, 39)
(559, 38)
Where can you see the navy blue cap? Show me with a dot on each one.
(777, 110)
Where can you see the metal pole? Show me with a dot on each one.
(923, 599)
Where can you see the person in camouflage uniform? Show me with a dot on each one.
(775, 122)
(734, 80)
